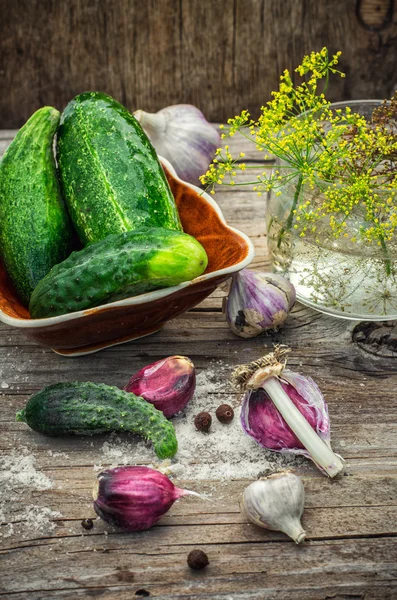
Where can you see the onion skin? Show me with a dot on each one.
(168, 384)
(262, 421)
(258, 302)
(134, 498)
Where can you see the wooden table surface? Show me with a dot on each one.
(351, 522)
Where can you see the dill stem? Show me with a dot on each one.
(291, 214)
(387, 260)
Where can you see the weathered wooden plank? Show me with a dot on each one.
(222, 57)
(3, 146)
(235, 568)
(369, 489)
(238, 143)
(321, 523)
(8, 134)
(382, 591)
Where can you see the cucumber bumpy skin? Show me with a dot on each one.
(86, 408)
(35, 231)
(111, 177)
(120, 266)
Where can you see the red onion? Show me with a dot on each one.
(285, 411)
(134, 498)
(261, 419)
(169, 384)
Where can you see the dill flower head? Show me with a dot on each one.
(346, 161)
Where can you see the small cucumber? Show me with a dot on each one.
(86, 408)
(35, 231)
(118, 267)
(111, 177)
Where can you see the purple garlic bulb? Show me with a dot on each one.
(168, 384)
(262, 421)
(181, 134)
(258, 302)
(134, 498)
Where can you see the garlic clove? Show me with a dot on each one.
(276, 503)
(181, 134)
(258, 302)
(168, 384)
(134, 498)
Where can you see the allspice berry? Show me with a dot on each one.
(197, 560)
(224, 413)
(203, 421)
(87, 524)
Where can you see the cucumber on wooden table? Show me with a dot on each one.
(87, 408)
(35, 231)
(110, 174)
(122, 265)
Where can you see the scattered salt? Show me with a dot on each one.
(57, 454)
(18, 475)
(19, 470)
(224, 453)
(39, 518)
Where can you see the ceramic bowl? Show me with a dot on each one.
(91, 330)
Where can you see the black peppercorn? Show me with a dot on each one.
(197, 560)
(224, 413)
(87, 523)
(203, 421)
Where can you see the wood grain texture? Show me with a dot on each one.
(220, 56)
(351, 523)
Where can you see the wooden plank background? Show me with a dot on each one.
(220, 55)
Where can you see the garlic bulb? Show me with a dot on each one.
(181, 134)
(257, 302)
(276, 503)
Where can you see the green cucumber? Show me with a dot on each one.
(35, 231)
(122, 265)
(86, 408)
(110, 174)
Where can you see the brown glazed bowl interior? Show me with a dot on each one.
(91, 330)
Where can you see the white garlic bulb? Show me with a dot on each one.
(181, 134)
(276, 503)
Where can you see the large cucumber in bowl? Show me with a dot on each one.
(35, 231)
(110, 174)
(121, 265)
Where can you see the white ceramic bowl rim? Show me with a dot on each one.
(149, 296)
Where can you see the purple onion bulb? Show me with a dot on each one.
(261, 419)
(168, 384)
(134, 498)
(288, 413)
(258, 302)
